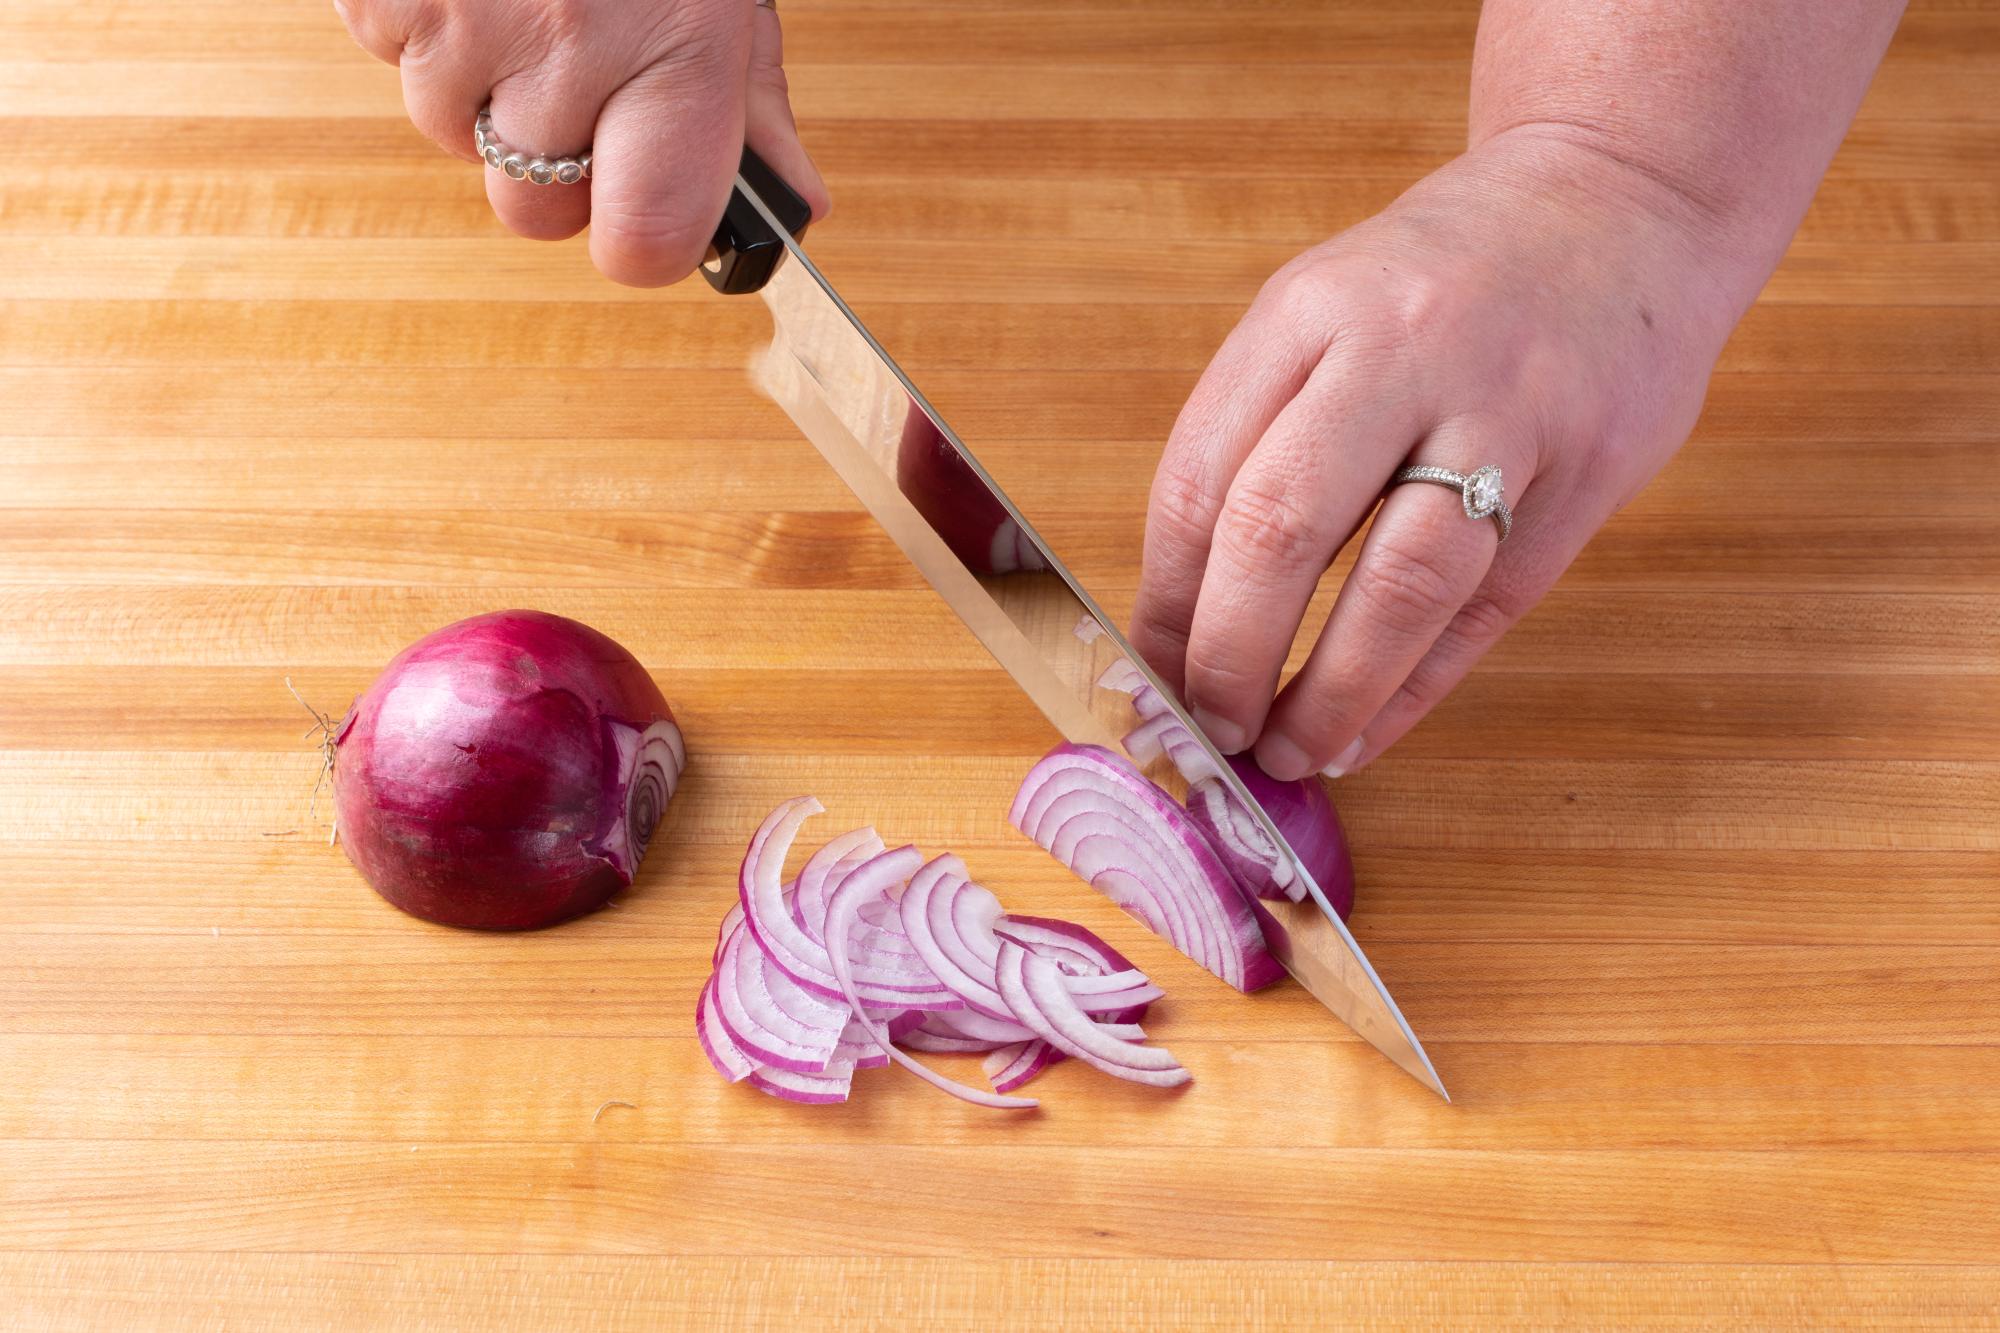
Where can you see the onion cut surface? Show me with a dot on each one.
(931, 944)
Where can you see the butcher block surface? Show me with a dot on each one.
(1693, 891)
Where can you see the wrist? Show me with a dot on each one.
(1672, 236)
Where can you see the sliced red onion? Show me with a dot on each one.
(927, 928)
(961, 916)
(1303, 813)
(1116, 830)
(1035, 991)
(1067, 942)
(1011, 1066)
(796, 1032)
(716, 1043)
(830, 862)
(1103, 980)
(946, 1043)
(877, 877)
(796, 953)
(968, 1023)
(856, 1050)
(732, 921)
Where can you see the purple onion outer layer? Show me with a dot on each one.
(505, 772)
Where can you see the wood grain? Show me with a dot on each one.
(1690, 890)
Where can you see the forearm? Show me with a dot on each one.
(1724, 110)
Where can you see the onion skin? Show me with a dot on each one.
(478, 780)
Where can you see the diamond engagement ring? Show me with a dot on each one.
(1480, 491)
(531, 167)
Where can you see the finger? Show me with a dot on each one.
(1259, 368)
(769, 127)
(379, 27)
(1476, 628)
(548, 110)
(444, 85)
(1421, 562)
(1294, 503)
(668, 143)
(1522, 573)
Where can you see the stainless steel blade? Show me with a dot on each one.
(863, 413)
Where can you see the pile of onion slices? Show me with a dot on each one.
(871, 950)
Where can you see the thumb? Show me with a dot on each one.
(769, 128)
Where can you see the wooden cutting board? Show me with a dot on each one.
(1691, 891)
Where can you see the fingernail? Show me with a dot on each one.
(1228, 737)
(1280, 758)
(1345, 759)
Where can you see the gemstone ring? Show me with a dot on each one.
(1480, 491)
(534, 168)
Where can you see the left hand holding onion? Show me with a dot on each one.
(1529, 307)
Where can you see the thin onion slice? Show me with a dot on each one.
(968, 1023)
(928, 930)
(716, 1043)
(823, 869)
(799, 956)
(929, 1039)
(1034, 989)
(810, 1089)
(876, 877)
(1011, 1066)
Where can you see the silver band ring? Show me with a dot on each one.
(1479, 491)
(533, 168)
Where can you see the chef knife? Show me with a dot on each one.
(979, 552)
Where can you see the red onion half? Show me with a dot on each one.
(1128, 839)
(505, 772)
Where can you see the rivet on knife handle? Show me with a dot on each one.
(745, 252)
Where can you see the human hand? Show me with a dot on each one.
(1534, 305)
(664, 93)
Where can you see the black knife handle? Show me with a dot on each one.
(747, 251)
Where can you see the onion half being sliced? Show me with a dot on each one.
(1119, 832)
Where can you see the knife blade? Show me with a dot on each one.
(928, 491)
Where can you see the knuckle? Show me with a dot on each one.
(1269, 529)
(563, 24)
(1482, 620)
(1297, 295)
(648, 245)
(1404, 589)
(1182, 505)
(1218, 675)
